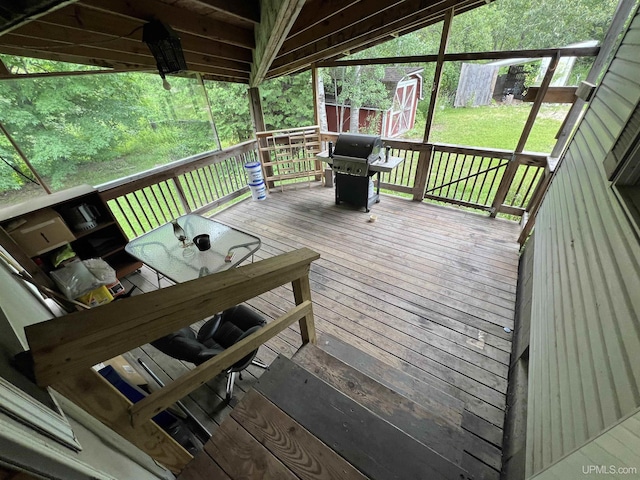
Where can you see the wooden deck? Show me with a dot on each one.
(428, 290)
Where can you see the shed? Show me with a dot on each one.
(393, 117)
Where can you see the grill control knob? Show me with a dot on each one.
(359, 170)
(348, 169)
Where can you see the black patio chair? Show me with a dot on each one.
(219, 333)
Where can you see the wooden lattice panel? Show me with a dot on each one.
(290, 155)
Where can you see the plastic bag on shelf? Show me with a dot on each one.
(101, 270)
(78, 278)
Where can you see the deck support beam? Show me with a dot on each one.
(425, 156)
(512, 168)
(257, 117)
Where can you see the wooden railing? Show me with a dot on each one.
(196, 184)
(402, 179)
(466, 176)
(491, 180)
(64, 349)
(474, 177)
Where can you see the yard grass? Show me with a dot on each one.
(495, 126)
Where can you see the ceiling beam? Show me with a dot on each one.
(27, 11)
(245, 10)
(357, 13)
(278, 17)
(105, 49)
(180, 19)
(75, 73)
(315, 12)
(377, 26)
(80, 25)
(110, 59)
(63, 57)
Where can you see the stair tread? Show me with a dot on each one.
(424, 425)
(371, 444)
(422, 393)
(293, 445)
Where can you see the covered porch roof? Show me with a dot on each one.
(245, 42)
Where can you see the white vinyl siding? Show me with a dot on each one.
(585, 332)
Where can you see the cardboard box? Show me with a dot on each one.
(42, 232)
(126, 371)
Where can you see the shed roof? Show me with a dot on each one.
(246, 41)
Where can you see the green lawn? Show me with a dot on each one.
(498, 126)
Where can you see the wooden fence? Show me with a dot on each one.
(196, 184)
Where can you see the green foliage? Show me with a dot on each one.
(230, 106)
(287, 102)
(66, 125)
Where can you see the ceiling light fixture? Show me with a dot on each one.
(165, 47)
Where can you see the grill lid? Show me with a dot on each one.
(358, 146)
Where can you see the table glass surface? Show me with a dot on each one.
(161, 250)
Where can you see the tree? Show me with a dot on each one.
(356, 87)
(287, 102)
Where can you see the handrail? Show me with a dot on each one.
(155, 175)
(195, 184)
(64, 349)
(66, 345)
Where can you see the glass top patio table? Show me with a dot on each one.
(163, 252)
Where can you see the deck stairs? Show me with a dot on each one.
(335, 412)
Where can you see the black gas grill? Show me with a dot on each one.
(350, 159)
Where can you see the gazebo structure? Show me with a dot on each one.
(437, 342)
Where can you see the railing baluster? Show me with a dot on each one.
(452, 177)
(135, 215)
(136, 195)
(221, 180)
(468, 175)
(536, 179)
(522, 179)
(125, 216)
(186, 177)
(213, 181)
(181, 196)
(209, 181)
(162, 210)
(495, 175)
(151, 206)
(201, 189)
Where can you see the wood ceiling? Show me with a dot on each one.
(243, 41)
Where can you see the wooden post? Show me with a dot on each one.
(209, 111)
(512, 168)
(302, 293)
(422, 173)
(424, 158)
(257, 117)
(437, 76)
(316, 112)
(25, 159)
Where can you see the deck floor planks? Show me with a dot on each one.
(441, 263)
(412, 315)
(408, 272)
